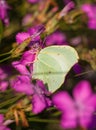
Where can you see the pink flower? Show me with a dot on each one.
(79, 109)
(4, 11)
(27, 19)
(90, 10)
(23, 84)
(69, 6)
(25, 64)
(28, 57)
(3, 85)
(40, 100)
(33, 1)
(21, 68)
(66, 1)
(2, 123)
(56, 38)
(3, 79)
(20, 37)
(33, 32)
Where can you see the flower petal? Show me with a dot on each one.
(87, 113)
(20, 67)
(20, 37)
(39, 100)
(56, 38)
(69, 119)
(3, 85)
(63, 101)
(28, 57)
(38, 104)
(22, 84)
(1, 118)
(82, 91)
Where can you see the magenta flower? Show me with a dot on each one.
(21, 68)
(33, 32)
(90, 10)
(4, 11)
(2, 123)
(92, 125)
(66, 1)
(3, 81)
(23, 84)
(40, 100)
(27, 19)
(3, 85)
(28, 57)
(77, 111)
(3, 75)
(25, 64)
(56, 38)
(75, 41)
(69, 6)
(33, 1)
(20, 37)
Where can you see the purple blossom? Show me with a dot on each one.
(92, 125)
(36, 31)
(56, 38)
(27, 19)
(69, 6)
(28, 57)
(3, 75)
(77, 111)
(23, 84)
(40, 101)
(20, 37)
(3, 85)
(2, 125)
(75, 41)
(3, 81)
(21, 68)
(4, 11)
(25, 64)
(33, 1)
(33, 32)
(66, 1)
(90, 10)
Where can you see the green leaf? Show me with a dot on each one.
(52, 65)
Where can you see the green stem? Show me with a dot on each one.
(8, 91)
(51, 108)
(83, 73)
(9, 101)
(3, 111)
(56, 113)
(5, 59)
(5, 54)
(43, 120)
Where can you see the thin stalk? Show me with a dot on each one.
(84, 73)
(43, 120)
(5, 53)
(3, 111)
(5, 59)
(9, 101)
(56, 113)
